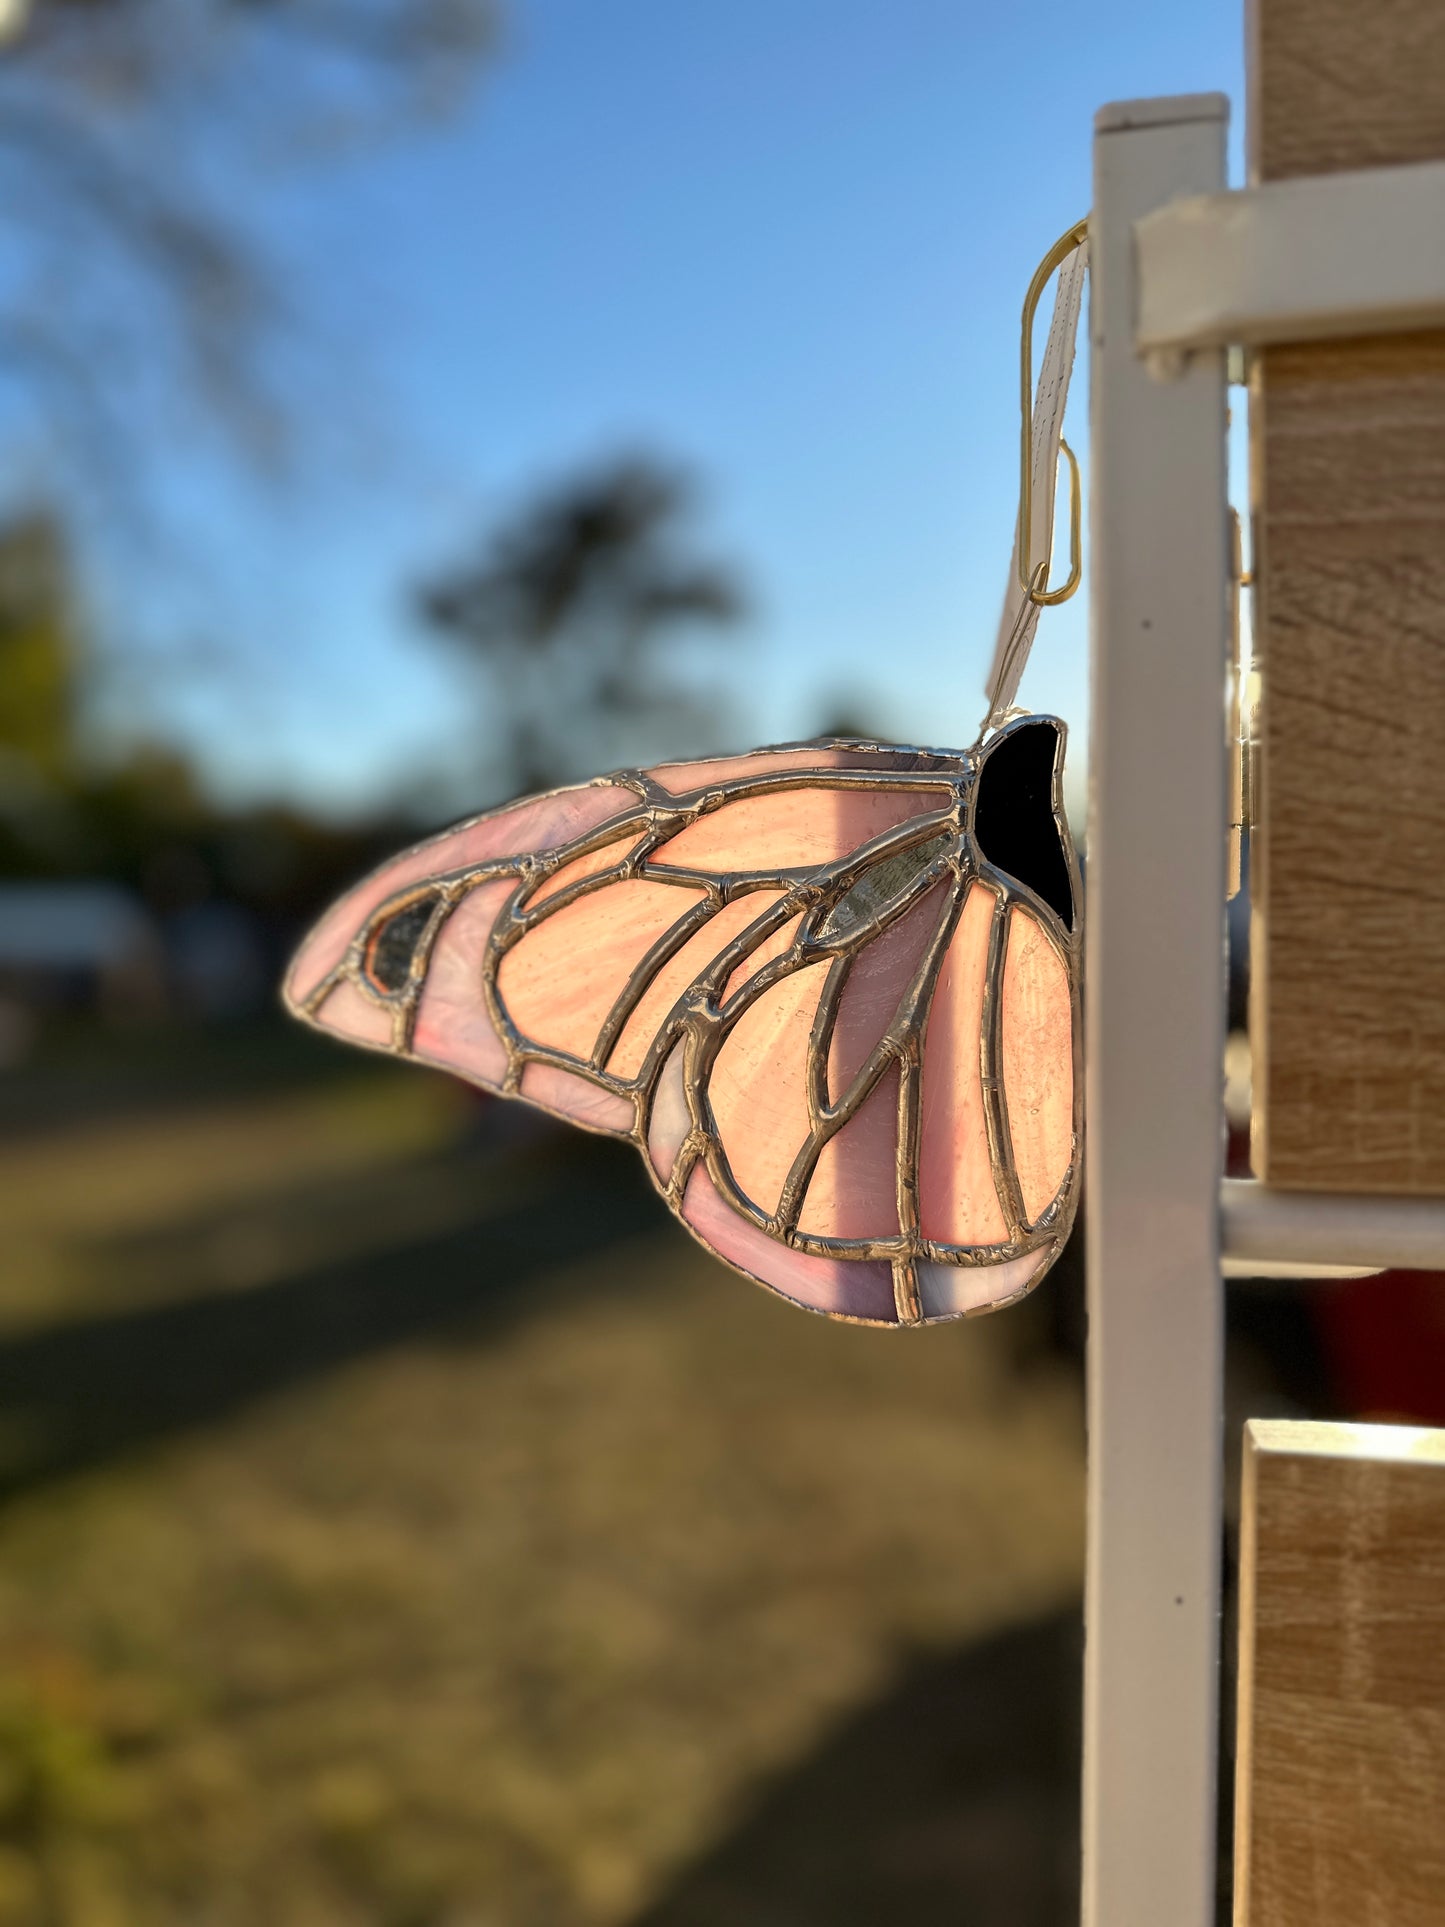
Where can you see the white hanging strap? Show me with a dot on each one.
(1020, 615)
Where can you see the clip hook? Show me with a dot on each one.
(1035, 586)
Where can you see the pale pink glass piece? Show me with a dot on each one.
(580, 1102)
(539, 823)
(758, 1086)
(561, 979)
(581, 867)
(674, 977)
(958, 1201)
(453, 1025)
(680, 778)
(853, 1192)
(881, 973)
(854, 1288)
(768, 951)
(947, 1291)
(352, 1015)
(670, 1121)
(1038, 1061)
(790, 829)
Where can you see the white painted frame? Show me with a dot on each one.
(1154, 1011)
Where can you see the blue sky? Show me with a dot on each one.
(782, 241)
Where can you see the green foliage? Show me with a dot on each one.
(145, 819)
(37, 648)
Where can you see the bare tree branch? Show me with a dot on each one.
(117, 120)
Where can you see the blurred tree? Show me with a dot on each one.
(37, 651)
(568, 607)
(142, 817)
(125, 258)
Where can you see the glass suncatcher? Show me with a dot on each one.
(829, 990)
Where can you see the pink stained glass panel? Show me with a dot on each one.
(849, 1287)
(453, 1025)
(877, 981)
(670, 1121)
(582, 867)
(578, 1100)
(352, 1015)
(958, 1201)
(948, 1291)
(790, 829)
(758, 1086)
(539, 823)
(853, 1192)
(561, 979)
(679, 779)
(1038, 1061)
(675, 976)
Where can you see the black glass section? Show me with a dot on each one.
(1014, 815)
(388, 961)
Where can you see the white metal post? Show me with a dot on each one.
(1154, 995)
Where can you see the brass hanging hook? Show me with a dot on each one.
(1035, 586)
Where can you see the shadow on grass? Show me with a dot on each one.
(81, 1393)
(955, 1799)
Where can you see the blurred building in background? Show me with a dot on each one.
(75, 946)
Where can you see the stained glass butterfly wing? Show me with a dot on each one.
(830, 991)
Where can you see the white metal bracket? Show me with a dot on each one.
(1325, 256)
(1303, 1234)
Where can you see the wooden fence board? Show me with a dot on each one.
(1348, 459)
(1340, 1795)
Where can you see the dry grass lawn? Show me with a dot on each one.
(363, 1564)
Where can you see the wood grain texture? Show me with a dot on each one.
(1340, 1785)
(1348, 459)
